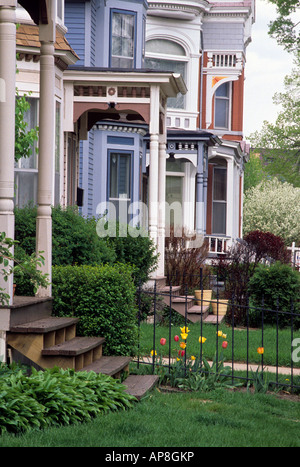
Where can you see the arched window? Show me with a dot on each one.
(222, 106)
(166, 55)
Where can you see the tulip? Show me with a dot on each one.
(176, 338)
(224, 344)
(184, 335)
(182, 345)
(163, 341)
(185, 329)
(181, 353)
(202, 340)
(192, 357)
(152, 353)
(220, 333)
(260, 350)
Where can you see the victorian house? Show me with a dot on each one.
(145, 123)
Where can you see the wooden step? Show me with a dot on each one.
(44, 325)
(139, 385)
(75, 346)
(112, 366)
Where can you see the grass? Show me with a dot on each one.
(239, 341)
(215, 419)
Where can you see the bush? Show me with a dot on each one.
(266, 245)
(103, 297)
(183, 263)
(74, 238)
(278, 288)
(133, 246)
(56, 397)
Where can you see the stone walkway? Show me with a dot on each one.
(242, 367)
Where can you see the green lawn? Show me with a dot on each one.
(243, 342)
(214, 419)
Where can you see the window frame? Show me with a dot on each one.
(111, 56)
(228, 99)
(222, 202)
(119, 152)
(171, 58)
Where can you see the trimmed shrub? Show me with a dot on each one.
(103, 297)
(278, 288)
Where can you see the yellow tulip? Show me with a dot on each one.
(152, 353)
(220, 333)
(184, 335)
(192, 357)
(185, 330)
(202, 339)
(224, 336)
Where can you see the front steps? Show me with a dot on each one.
(186, 305)
(46, 341)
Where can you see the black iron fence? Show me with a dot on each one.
(257, 345)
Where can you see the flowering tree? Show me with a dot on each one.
(273, 207)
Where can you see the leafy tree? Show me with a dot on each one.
(285, 28)
(280, 142)
(273, 207)
(254, 171)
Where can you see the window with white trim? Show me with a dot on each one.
(219, 200)
(122, 45)
(26, 169)
(166, 55)
(119, 183)
(222, 106)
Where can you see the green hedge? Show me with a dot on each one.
(103, 297)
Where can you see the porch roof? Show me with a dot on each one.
(170, 83)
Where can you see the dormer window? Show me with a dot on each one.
(123, 30)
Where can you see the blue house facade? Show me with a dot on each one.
(110, 35)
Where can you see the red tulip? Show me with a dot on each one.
(163, 341)
(176, 338)
(224, 344)
(181, 353)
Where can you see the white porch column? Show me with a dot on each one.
(46, 145)
(230, 200)
(7, 123)
(153, 164)
(161, 206)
